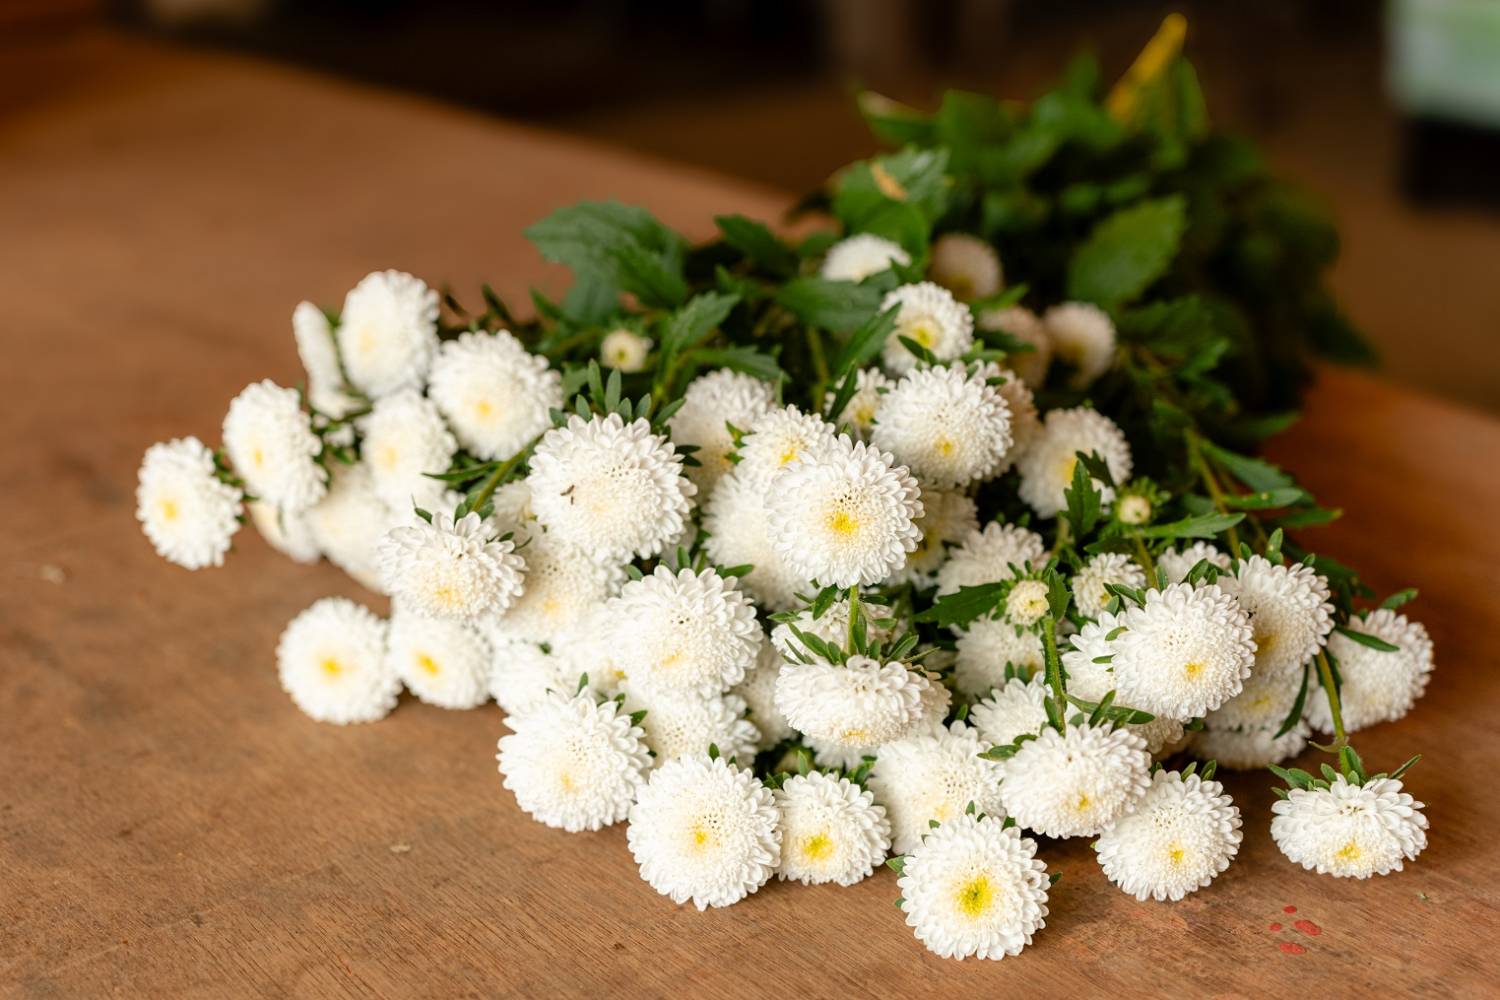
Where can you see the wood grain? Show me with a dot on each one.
(171, 826)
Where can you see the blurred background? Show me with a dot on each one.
(1389, 113)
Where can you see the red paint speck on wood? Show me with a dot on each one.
(1290, 947)
(1273, 927)
(1288, 909)
(1308, 927)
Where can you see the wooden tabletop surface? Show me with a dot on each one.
(171, 825)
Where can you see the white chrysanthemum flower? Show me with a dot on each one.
(861, 703)
(1088, 677)
(512, 510)
(523, 673)
(562, 586)
(1252, 749)
(573, 763)
(1378, 686)
(1026, 603)
(1264, 702)
(974, 887)
(965, 265)
(451, 569)
(1133, 508)
(350, 521)
(948, 517)
(1289, 610)
(318, 349)
(187, 512)
(1163, 736)
(704, 831)
(1174, 840)
(1075, 784)
(331, 659)
(1083, 336)
(405, 438)
(681, 725)
(1047, 466)
(861, 255)
(860, 412)
(1349, 830)
(832, 627)
(496, 395)
(625, 350)
(758, 689)
(949, 427)
(1025, 425)
(934, 776)
(1088, 585)
(837, 757)
(387, 334)
(931, 317)
(1185, 652)
(831, 830)
(441, 661)
(270, 442)
(735, 521)
(610, 488)
(1024, 325)
(683, 632)
(712, 403)
(937, 701)
(986, 556)
(286, 531)
(1014, 708)
(845, 517)
(986, 647)
(1177, 564)
(780, 437)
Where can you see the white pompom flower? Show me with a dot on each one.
(443, 662)
(625, 350)
(1176, 564)
(710, 405)
(1075, 784)
(1348, 830)
(948, 517)
(331, 660)
(845, 517)
(965, 265)
(1087, 656)
(1025, 424)
(758, 689)
(858, 257)
(831, 830)
(1378, 685)
(974, 888)
(563, 585)
(318, 349)
(387, 333)
(451, 569)
(405, 438)
(949, 427)
(523, 673)
(860, 704)
(1183, 653)
(1083, 336)
(931, 317)
(1253, 748)
(988, 555)
(612, 489)
(986, 647)
(1047, 465)
(1289, 610)
(1175, 839)
(573, 763)
(1014, 708)
(349, 523)
(189, 514)
(933, 777)
(1264, 702)
(870, 386)
(269, 440)
(286, 531)
(739, 534)
(1027, 602)
(496, 395)
(1026, 327)
(1088, 584)
(681, 725)
(704, 831)
(779, 437)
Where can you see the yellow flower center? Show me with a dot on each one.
(924, 333)
(1349, 852)
(817, 847)
(789, 454)
(1175, 854)
(428, 664)
(258, 457)
(1083, 802)
(975, 896)
(331, 667)
(1192, 669)
(1264, 641)
(842, 523)
(169, 510)
(703, 840)
(945, 445)
(483, 409)
(565, 782)
(387, 456)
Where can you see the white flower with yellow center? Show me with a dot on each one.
(387, 333)
(1089, 594)
(1264, 702)
(1083, 337)
(562, 586)
(711, 403)
(832, 627)
(870, 385)
(270, 442)
(1289, 610)
(1177, 564)
(704, 831)
(779, 437)
(573, 763)
(931, 317)
(965, 265)
(988, 555)
(859, 704)
(1378, 685)
(1349, 830)
(861, 255)
(682, 725)
(496, 395)
(1024, 325)
(739, 534)
(845, 517)
(405, 439)
(1075, 784)
(1251, 749)
(1014, 708)
(974, 887)
(443, 662)
(838, 757)
(1087, 656)
(937, 702)
(934, 776)
(949, 427)
(1047, 466)
(758, 689)
(612, 489)
(318, 349)
(1174, 840)
(1185, 652)
(624, 350)
(451, 569)
(1133, 508)
(350, 521)
(523, 673)
(286, 531)
(1027, 603)
(831, 830)
(948, 517)
(331, 660)
(187, 512)
(987, 647)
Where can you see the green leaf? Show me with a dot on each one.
(1085, 505)
(1127, 252)
(741, 359)
(1398, 772)
(1295, 715)
(839, 306)
(897, 864)
(964, 606)
(692, 324)
(1366, 639)
(1399, 598)
(621, 245)
(1255, 473)
(1284, 496)
(1197, 526)
(758, 243)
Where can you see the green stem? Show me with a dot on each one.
(1054, 665)
(1211, 483)
(503, 470)
(1335, 709)
(1143, 556)
(853, 609)
(820, 365)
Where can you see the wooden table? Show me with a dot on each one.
(171, 825)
